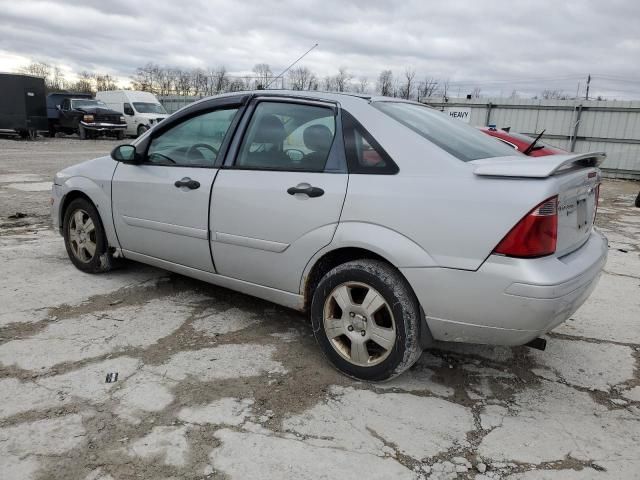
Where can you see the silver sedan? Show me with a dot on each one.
(392, 225)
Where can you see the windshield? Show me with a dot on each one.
(460, 140)
(87, 103)
(144, 107)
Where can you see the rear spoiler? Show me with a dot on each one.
(535, 167)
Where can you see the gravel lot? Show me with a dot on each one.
(215, 384)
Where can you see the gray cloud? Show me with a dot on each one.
(494, 45)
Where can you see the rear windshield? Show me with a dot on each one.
(460, 140)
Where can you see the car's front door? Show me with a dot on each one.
(278, 199)
(66, 117)
(161, 206)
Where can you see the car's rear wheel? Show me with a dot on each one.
(84, 237)
(366, 319)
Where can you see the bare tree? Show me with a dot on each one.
(220, 80)
(427, 87)
(445, 89)
(301, 78)
(476, 92)
(342, 80)
(554, 95)
(104, 82)
(85, 82)
(406, 89)
(263, 74)
(37, 69)
(362, 86)
(385, 83)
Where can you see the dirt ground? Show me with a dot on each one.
(215, 384)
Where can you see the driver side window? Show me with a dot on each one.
(192, 143)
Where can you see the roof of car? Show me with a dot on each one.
(344, 98)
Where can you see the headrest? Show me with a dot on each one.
(317, 138)
(269, 130)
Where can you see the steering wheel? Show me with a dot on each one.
(193, 148)
(163, 156)
(294, 154)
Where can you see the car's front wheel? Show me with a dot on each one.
(366, 319)
(84, 237)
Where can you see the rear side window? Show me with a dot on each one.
(460, 140)
(364, 153)
(289, 137)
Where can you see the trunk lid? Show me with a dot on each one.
(576, 178)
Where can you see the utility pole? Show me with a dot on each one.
(586, 97)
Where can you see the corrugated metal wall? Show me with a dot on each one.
(574, 125)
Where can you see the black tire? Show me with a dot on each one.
(400, 301)
(638, 200)
(82, 132)
(120, 135)
(141, 129)
(101, 260)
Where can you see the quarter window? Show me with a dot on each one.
(193, 143)
(364, 154)
(288, 136)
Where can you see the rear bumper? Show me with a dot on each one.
(508, 301)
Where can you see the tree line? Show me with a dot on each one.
(200, 82)
(55, 80)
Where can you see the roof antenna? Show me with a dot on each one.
(289, 67)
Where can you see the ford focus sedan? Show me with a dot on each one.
(392, 225)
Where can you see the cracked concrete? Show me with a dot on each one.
(214, 384)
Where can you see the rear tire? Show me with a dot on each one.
(84, 237)
(366, 320)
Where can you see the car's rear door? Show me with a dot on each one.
(161, 206)
(278, 199)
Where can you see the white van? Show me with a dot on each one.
(141, 110)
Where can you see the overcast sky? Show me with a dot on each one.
(498, 46)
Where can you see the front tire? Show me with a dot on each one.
(141, 130)
(82, 132)
(84, 237)
(366, 320)
(120, 135)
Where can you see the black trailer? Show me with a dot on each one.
(23, 106)
(54, 101)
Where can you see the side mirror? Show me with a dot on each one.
(125, 154)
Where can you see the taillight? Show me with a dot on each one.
(535, 235)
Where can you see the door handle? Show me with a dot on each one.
(187, 182)
(309, 191)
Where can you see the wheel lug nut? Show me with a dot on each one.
(350, 328)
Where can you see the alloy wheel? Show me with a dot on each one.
(359, 324)
(82, 236)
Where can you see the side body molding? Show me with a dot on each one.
(401, 251)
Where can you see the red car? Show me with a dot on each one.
(522, 143)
